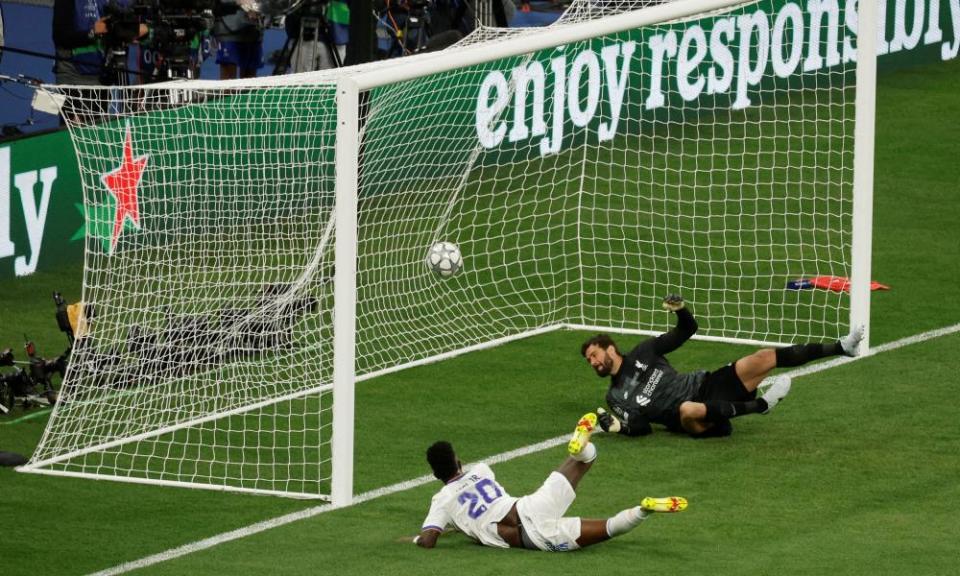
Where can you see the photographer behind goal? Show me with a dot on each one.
(317, 34)
(82, 30)
(406, 27)
(238, 30)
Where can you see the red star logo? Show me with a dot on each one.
(122, 184)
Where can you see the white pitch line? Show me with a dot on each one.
(416, 482)
(841, 360)
(309, 513)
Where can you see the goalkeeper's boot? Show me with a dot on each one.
(668, 504)
(851, 342)
(776, 392)
(581, 436)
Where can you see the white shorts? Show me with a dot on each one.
(541, 514)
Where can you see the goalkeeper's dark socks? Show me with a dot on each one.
(800, 354)
(719, 411)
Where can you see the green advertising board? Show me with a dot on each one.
(41, 205)
(915, 32)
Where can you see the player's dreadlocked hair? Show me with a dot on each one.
(443, 460)
(601, 340)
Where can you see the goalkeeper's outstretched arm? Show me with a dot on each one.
(685, 328)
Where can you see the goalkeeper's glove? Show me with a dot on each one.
(608, 422)
(673, 302)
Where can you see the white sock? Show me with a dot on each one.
(625, 521)
(587, 455)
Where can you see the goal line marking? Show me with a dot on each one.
(422, 480)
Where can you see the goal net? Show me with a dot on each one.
(585, 171)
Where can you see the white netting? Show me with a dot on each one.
(581, 184)
(723, 191)
(212, 320)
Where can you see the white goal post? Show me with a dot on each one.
(255, 248)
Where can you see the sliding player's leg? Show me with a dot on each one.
(579, 445)
(541, 513)
(722, 396)
(596, 531)
(754, 368)
(731, 391)
(711, 417)
(593, 531)
(582, 451)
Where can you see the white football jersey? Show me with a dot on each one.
(474, 503)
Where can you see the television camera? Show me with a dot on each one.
(33, 386)
(30, 382)
(176, 29)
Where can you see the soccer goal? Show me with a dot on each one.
(256, 248)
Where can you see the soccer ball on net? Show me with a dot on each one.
(444, 259)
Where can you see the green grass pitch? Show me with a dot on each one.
(855, 473)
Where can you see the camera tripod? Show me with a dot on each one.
(114, 71)
(310, 47)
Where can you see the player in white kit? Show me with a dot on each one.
(474, 502)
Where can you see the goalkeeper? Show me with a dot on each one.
(645, 388)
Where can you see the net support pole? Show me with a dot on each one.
(863, 150)
(344, 292)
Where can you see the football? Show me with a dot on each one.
(444, 259)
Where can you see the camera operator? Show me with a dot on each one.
(79, 28)
(238, 30)
(408, 26)
(403, 26)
